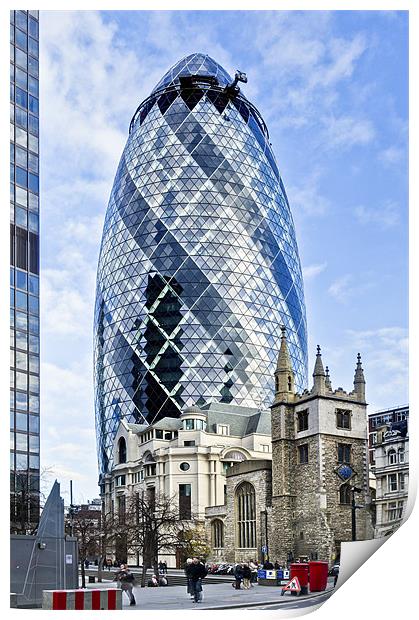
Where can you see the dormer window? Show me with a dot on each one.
(223, 429)
(194, 424)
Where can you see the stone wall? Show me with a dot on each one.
(340, 515)
(307, 516)
(257, 473)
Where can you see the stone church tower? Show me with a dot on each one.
(319, 456)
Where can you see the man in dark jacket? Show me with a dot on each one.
(238, 575)
(196, 573)
(186, 568)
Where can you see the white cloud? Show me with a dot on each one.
(340, 64)
(384, 354)
(346, 131)
(348, 287)
(385, 216)
(386, 362)
(340, 289)
(311, 271)
(391, 156)
(309, 65)
(307, 198)
(68, 439)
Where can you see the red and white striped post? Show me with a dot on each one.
(82, 599)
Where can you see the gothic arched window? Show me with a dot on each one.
(217, 534)
(246, 516)
(122, 451)
(345, 494)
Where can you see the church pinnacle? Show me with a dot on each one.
(328, 382)
(359, 379)
(318, 374)
(284, 374)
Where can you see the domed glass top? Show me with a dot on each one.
(194, 64)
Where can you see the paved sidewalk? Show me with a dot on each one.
(215, 596)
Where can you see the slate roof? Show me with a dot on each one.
(137, 428)
(242, 420)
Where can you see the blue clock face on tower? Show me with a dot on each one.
(345, 472)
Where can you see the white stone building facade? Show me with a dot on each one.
(392, 477)
(185, 458)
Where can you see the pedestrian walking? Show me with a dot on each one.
(161, 568)
(247, 575)
(238, 576)
(254, 569)
(197, 572)
(186, 568)
(125, 579)
(336, 575)
(165, 567)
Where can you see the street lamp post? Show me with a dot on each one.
(353, 510)
(71, 510)
(264, 536)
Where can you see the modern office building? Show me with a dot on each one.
(199, 264)
(24, 270)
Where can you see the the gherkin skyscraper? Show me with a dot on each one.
(199, 265)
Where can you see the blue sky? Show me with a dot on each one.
(332, 88)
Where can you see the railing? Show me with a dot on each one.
(205, 87)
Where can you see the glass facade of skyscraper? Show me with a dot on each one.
(199, 265)
(24, 270)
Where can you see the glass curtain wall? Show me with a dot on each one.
(199, 264)
(24, 270)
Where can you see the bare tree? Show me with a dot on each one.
(106, 539)
(87, 531)
(152, 526)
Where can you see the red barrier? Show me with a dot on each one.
(59, 600)
(82, 599)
